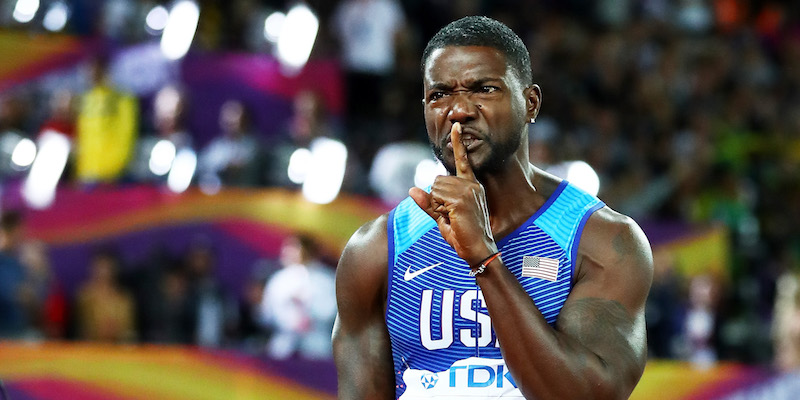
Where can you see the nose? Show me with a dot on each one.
(463, 108)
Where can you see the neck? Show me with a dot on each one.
(513, 195)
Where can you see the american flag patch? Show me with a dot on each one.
(540, 267)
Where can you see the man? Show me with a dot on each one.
(555, 309)
(298, 302)
(13, 278)
(232, 158)
(106, 128)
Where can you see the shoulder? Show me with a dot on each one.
(607, 228)
(362, 272)
(368, 238)
(613, 248)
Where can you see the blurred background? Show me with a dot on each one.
(178, 178)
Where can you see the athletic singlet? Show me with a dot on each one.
(443, 344)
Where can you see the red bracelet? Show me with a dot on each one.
(475, 272)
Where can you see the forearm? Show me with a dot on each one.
(545, 363)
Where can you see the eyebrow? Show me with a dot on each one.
(439, 86)
(476, 83)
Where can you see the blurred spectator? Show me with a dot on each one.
(105, 311)
(213, 310)
(395, 169)
(46, 300)
(665, 308)
(299, 302)
(701, 322)
(13, 278)
(367, 31)
(694, 16)
(309, 127)
(309, 121)
(726, 199)
(60, 121)
(253, 332)
(232, 158)
(106, 129)
(173, 316)
(61, 118)
(121, 18)
(157, 153)
(15, 111)
(786, 325)
(163, 302)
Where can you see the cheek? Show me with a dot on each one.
(519, 107)
(430, 123)
(503, 118)
(433, 121)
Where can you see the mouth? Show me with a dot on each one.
(468, 137)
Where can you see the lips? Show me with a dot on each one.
(469, 138)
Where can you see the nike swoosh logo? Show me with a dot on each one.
(411, 275)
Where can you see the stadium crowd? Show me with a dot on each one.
(688, 111)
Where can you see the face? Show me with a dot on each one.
(291, 252)
(472, 85)
(232, 117)
(103, 269)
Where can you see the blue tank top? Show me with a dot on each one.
(443, 344)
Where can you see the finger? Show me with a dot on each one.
(463, 169)
(423, 200)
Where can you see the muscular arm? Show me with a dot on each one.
(598, 347)
(361, 346)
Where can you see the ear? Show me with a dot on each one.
(533, 101)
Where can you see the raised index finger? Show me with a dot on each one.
(463, 169)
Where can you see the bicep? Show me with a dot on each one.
(615, 339)
(361, 344)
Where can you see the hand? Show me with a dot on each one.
(458, 205)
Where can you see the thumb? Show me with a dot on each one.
(423, 200)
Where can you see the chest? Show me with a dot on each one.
(435, 305)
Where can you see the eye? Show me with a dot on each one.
(433, 96)
(488, 89)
